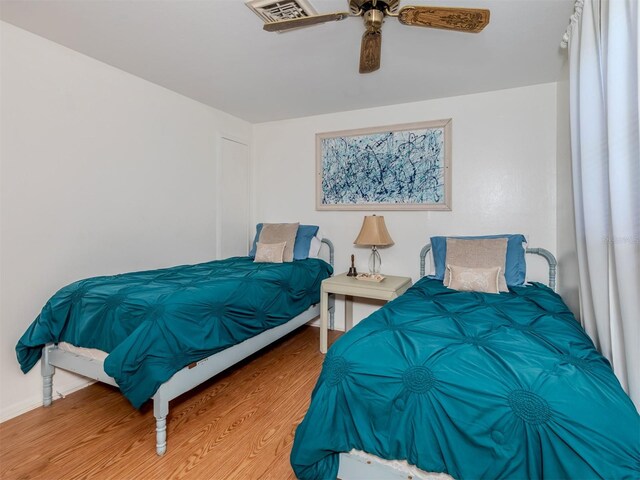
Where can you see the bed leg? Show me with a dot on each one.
(47, 371)
(161, 435)
(160, 411)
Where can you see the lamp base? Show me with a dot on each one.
(375, 262)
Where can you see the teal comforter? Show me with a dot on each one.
(479, 386)
(154, 323)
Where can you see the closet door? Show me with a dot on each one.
(233, 199)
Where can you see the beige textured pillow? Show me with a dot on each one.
(477, 253)
(280, 232)
(270, 252)
(469, 279)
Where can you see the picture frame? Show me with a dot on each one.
(392, 167)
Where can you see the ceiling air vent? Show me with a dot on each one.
(274, 11)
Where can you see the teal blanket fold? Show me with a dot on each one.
(154, 323)
(479, 386)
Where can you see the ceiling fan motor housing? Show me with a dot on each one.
(357, 6)
(373, 19)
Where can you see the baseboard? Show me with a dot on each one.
(35, 401)
(316, 323)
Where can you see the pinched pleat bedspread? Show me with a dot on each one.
(479, 386)
(154, 323)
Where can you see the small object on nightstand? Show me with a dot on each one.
(370, 277)
(352, 269)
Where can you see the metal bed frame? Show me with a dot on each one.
(355, 467)
(546, 254)
(182, 381)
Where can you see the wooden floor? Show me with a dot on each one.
(239, 425)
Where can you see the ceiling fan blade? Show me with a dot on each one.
(304, 21)
(470, 20)
(370, 50)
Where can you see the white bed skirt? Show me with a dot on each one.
(359, 465)
(92, 353)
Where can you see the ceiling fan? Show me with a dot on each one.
(373, 12)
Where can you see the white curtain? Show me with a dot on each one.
(603, 59)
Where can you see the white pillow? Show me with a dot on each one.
(270, 252)
(316, 245)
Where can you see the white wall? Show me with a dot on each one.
(568, 275)
(101, 173)
(504, 175)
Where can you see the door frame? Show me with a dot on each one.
(220, 137)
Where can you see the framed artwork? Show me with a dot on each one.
(395, 167)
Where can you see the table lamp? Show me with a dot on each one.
(374, 234)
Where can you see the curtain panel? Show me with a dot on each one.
(604, 106)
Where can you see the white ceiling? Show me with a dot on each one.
(216, 52)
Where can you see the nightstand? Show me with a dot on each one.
(388, 289)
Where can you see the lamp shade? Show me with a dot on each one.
(374, 232)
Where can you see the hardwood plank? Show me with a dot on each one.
(226, 441)
(238, 425)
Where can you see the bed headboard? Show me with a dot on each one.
(546, 254)
(329, 244)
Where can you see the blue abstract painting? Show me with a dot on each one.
(392, 169)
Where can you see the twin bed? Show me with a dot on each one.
(442, 383)
(467, 384)
(158, 334)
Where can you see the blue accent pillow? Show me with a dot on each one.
(302, 245)
(516, 267)
(303, 241)
(252, 252)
